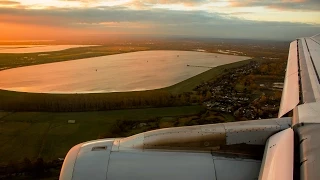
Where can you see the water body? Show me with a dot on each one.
(15, 49)
(114, 73)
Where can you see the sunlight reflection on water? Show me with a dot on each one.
(115, 73)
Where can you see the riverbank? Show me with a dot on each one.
(188, 85)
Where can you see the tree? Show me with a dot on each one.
(277, 95)
(263, 99)
(27, 165)
(38, 168)
(264, 69)
(208, 95)
(253, 86)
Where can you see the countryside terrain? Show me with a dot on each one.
(34, 127)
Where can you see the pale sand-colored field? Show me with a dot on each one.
(36, 48)
(114, 73)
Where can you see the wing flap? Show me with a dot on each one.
(277, 161)
(290, 93)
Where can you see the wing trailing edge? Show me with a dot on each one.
(290, 93)
(277, 163)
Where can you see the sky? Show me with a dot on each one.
(245, 19)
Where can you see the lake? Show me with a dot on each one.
(134, 71)
(36, 48)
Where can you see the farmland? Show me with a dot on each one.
(49, 136)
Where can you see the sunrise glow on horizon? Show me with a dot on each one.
(54, 19)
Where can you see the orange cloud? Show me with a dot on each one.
(9, 3)
(73, 22)
(13, 31)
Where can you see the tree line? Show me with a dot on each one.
(28, 169)
(16, 101)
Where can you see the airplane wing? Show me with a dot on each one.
(302, 75)
(277, 149)
(306, 120)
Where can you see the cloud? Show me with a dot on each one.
(151, 2)
(170, 2)
(117, 14)
(82, 0)
(157, 22)
(300, 5)
(9, 3)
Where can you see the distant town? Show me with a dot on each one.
(244, 101)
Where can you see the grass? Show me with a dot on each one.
(48, 135)
(228, 117)
(189, 84)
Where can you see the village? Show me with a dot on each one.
(239, 92)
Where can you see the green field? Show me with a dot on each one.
(48, 135)
(189, 84)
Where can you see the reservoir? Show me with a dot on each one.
(17, 49)
(134, 71)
